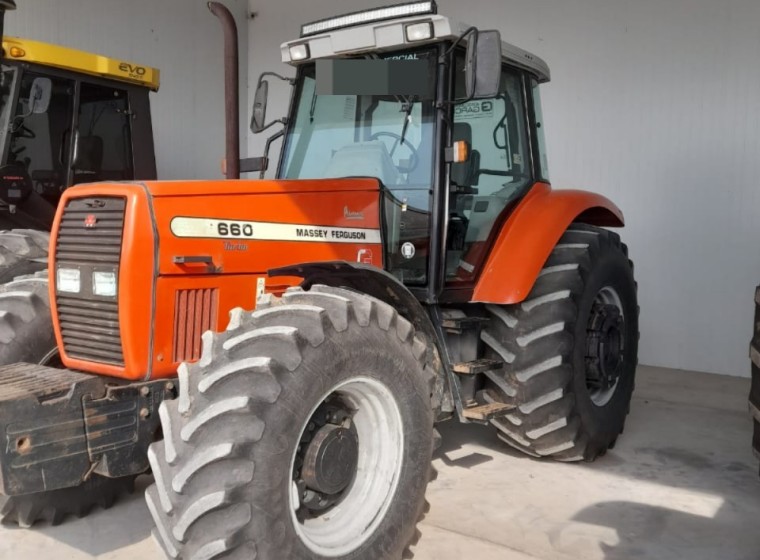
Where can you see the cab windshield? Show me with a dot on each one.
(390, 137)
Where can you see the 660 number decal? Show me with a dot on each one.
(234, 229)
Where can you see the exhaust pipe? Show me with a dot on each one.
(5, 5)
(231, 89)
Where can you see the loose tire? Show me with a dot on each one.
(754, 395)
(568, 371)
(231, 474)
(22, 252)
(26, 335)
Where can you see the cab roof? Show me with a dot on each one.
(389, 34)
(45, 54)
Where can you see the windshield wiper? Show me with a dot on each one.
(407, 108)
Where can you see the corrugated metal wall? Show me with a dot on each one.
(181, 38)
(656, 104)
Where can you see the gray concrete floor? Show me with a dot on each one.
(681, 483)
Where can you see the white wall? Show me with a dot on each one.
(181, 38)
(654, 103)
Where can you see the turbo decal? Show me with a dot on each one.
(205, 228)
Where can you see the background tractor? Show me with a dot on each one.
(66, 117)
(410, 264)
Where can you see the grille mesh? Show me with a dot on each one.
(89, 323)
(194, 314)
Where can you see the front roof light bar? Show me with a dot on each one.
(369, 16)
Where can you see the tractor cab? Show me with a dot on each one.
(398, 93)
(68, 117)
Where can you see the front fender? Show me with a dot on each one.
(529, 235)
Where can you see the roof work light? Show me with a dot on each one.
(369, 16)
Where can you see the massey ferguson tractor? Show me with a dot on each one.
(278, 352)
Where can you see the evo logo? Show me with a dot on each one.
(134, 71)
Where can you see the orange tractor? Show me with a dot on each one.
(279, 351)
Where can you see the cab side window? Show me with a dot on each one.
(39, 141)
(104, 145)
(497, 172)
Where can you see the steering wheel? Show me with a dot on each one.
(414, 160)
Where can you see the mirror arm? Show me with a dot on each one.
(283, 121)
(459, 39)
(291, 81)
(444, 58)
(271, 139)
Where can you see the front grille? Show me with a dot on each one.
(89, 239)
(194, 314)
(98, 244)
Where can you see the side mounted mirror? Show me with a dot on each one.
(39, 95)
(258, 120)
(483, 65)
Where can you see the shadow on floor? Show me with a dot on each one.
(703, 454)
(125, 523)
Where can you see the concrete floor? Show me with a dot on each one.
(681, 483)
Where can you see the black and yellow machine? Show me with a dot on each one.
(66, 117)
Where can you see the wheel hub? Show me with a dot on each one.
(330, 460)
(327, 458)
(604, 347)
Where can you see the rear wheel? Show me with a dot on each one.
(570, 350)
(305, 431)
(26, 335)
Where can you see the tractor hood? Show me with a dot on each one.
(254, 226)
(140, 270)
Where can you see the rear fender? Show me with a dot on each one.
(530, 234)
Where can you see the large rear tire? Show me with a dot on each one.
(22, 252)
(570, 350)
(754, 394)
(26, 335)
(318, 399)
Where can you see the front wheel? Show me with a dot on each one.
(305, 431)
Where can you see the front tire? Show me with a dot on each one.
(570, 350)
(305, 431)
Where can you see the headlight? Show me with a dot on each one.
(68, 280)
(299, 52)
(419, 31)
(104, 284)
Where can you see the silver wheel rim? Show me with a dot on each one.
(347, 525)
(607, 296)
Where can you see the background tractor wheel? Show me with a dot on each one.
(22, 251)
(26, 328)
(570, 350)
(305, 431)
(754, 395)
(26, 335)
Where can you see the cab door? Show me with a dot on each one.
(498, 172)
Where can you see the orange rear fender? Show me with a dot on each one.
(529, 235)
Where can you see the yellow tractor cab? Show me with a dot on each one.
(68, 117)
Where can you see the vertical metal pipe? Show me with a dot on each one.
(4, 6)
(231, 90)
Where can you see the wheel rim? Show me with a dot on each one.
(362, 505)
(605, 346)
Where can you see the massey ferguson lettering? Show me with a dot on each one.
(332, 234)
(205, 228)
